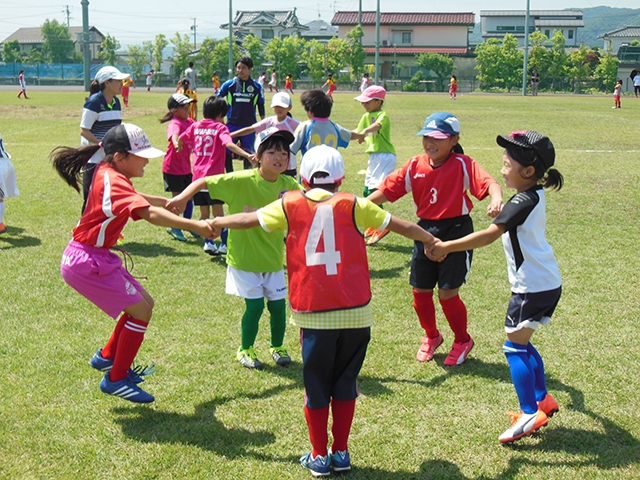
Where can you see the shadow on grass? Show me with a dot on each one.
(156, 250)
(14, 237)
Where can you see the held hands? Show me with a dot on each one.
(176, 205)
(494, 208)
(205, 229)
(429, 248)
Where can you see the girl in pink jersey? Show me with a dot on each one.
(440, 182)
(176, 166)
(91, 268)
(208, 139)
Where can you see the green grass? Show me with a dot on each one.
(213, 419)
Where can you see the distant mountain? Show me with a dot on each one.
(597, 21)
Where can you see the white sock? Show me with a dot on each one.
(2, 212)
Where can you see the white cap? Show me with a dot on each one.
(322, 159)
(281, 99)
(271, 131)
(130, 138)
(110, 73)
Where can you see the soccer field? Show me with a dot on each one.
(214, 419)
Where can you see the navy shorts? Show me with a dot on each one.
(202, 199)
(176, 183)
(452, 272)
(331, 362)
(530, 310)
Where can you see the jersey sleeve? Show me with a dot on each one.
(517, 209)
(345, 134)
(173, 129)
(479, 181)
(224, 135)
(187, 136)
(371, 215)
(362, 124)
(222, 187)
(394, 186)
(299, 137)
(89, 114)
(125, 200)
(272, 217)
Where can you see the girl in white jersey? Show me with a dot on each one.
(533, 270)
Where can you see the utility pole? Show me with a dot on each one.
(525, 73)
(230, 39)
(86, 52)
(193, 29)
(67, 12)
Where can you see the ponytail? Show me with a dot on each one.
(69, 161)
(553, 179)
(167, 117)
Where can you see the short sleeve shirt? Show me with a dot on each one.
(320, 131)
(208, 140)
(252, 250)
(380, 141)
(177, 163)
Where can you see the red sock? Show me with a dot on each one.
(317, 419)
(129, 343)
(342, 412)
(456, 313)
(109, 350)
(426, 310)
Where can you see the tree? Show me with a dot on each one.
(488, 59)
(337, 49)
(356, 54)
(11, 51)
(159, 45)
(57, 46)
(206, 57)
(285, 54)
(538, 55)
(512, 60)
(557, 59)
(607, 71)
(181, 52)
(108, 49)
(137, 60)
(220, 58)
(440, 65)
(254, 48)
(314, 56)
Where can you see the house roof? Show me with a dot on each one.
(369, 18)
(417, 50)
(624, 32)
(270, 18)
(320, 28)
(559, 23)
(532, 13)
(34, 34)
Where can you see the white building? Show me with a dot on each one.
(615, 39)
(497, 23)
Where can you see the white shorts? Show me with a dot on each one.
(8, 183)
(379, 167)
(271, 286)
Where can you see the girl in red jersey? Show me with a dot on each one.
(439, 182)
(93, 270)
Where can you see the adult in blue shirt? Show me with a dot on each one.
(243, 94)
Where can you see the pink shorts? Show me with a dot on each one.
(98, 275)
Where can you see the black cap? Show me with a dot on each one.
(530, 140)
(178, 99)
(127, 137)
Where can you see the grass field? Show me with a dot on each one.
(213, 419)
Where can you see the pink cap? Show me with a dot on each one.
(374, 92)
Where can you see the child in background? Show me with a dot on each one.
(255, 258)
(8, 183)
(440, 182)
(319, 130)
(262, 78)
(150, 79)
(453, 87)
(176, 166)
(331, 83)
(183, 88)
(216, 83)
(126, 83)
(91, 268)
(23, 85)
(282, 120)
(616, 94)
(533, 270)
(365, 83)
(273, 82)
(209, 139)
(329, 293)
(375, 126)
(288, 83)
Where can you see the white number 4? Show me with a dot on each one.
(322, 226)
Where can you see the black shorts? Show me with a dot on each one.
(176, 183)
(530, 310)
(331, 362)
(202, 199)
(452, 272)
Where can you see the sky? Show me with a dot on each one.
(131, 23)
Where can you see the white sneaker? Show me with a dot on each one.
(523, 424)
(210, 247)
(222, 250)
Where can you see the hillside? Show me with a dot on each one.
(597, 20)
